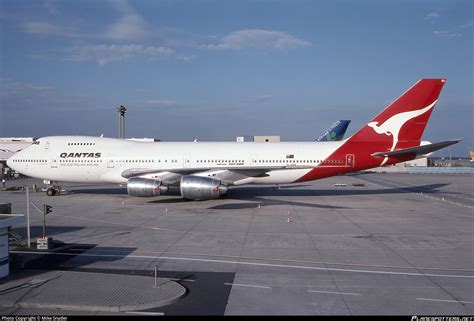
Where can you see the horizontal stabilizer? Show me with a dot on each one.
(419, 150)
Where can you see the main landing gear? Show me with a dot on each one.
(53, 190)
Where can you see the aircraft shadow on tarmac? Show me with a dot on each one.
(252, 191)
(256, 194)
(109, 191)
(286, 190)
(268, 202)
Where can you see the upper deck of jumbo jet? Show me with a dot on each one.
(116, 145)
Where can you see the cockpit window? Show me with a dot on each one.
(36, 142)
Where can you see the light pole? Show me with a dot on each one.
(121, 110)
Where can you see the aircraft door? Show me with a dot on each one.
(53, 162)
(253, 160)
(350, 160)
(111, 161)
(186, 161)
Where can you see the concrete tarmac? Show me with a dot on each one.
(374, 244)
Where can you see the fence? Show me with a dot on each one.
(440, 170)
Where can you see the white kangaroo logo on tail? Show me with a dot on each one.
(393, 125)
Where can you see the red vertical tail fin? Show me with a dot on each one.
(404, 120)
(398, 126)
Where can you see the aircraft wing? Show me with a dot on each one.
(240, 170)
(419, 150)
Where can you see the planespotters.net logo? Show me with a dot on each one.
(416, 318)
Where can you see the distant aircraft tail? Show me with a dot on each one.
(335, 132)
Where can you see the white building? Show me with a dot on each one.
(241, 139)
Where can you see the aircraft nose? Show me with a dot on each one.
(10, 162)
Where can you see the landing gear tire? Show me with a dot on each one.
(51, 191)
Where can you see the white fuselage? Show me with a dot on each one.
(104, 160)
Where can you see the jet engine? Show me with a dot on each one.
(201, 188)
(145, 187)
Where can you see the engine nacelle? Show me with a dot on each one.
(145, 187)
(201, 188)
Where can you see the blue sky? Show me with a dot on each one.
(214, 70)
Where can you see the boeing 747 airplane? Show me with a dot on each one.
(205, 170)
